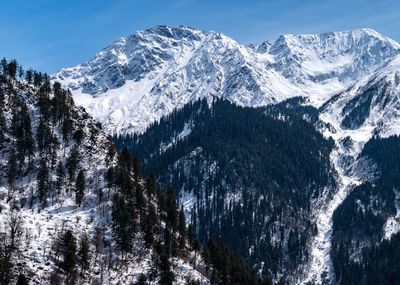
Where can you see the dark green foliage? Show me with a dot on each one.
(150, 223)
(3, 65)
(68, 249)
(142, 280)
(5, 270)
(357, 109)
(61, 176)
(122, 224)
(29, 76)
(12, 67)
(228, 268)
(80, 186)
(22, 131)
(166, 275)
(365, 212)
(43, 183)
(78, 136)
(84, 253)
(272, 160)
(72, 163)
(12, 168)
(22, 280)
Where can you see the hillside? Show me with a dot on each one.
(251, 177)
(75, 211)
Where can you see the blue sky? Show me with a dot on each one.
(48, 34)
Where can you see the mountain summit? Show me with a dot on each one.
(139, 78)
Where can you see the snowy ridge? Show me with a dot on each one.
(140, 78)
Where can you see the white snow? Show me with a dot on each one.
(140, 78)
(163, 68)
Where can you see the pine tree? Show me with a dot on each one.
(3, 65)
(182, 229)
(12, 168)
(21, 72)
(142, 280)
(166, 275)
(29, 76)
(66, 129)
(12, 68)
(37, 78)
(122, 225)
(136, 167)
(43, 184)
(78, 136)
(60, 180)
(22, 280)
(68, 245)
(110, 177)
(125, 160)
(80, 187)
(29, 142)
(5, 270)
(72, 163)
(151, 221)
(84, 253)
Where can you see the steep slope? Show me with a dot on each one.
(140, 78)
(144, 76)
(249, 177)
(61, 220)
(368, 253)
(351, 118)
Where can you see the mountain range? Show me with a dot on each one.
(350, 78)
(140, 78)
(185, 157)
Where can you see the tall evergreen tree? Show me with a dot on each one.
(22, 280)
(80, 186)
(12, 68)
(72, 163)
(12, 168)
(122, 225)
(43, 183)
(5, 270)
(167, 277)
(3, 65)
(60, 177)
(84, 253)
(68, 247)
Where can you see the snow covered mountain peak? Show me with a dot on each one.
(139, 78)
(346, 55)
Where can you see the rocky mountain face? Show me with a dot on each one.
(140, 78)
(225, 160)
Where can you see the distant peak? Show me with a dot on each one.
(178, 32)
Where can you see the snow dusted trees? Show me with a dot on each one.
(10, 241)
